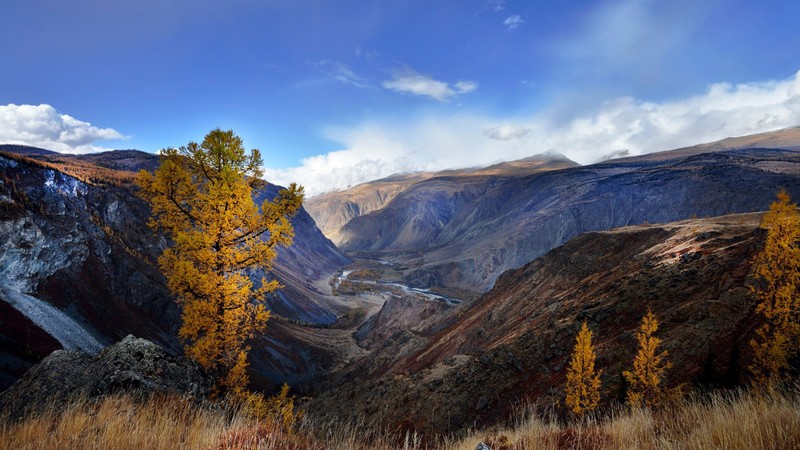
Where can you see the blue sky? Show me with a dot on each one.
(336, 93)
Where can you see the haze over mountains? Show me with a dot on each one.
(521, 251)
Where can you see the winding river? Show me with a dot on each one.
(424, 293)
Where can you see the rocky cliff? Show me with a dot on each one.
(77, 258)
(465, 234)
(333, 210)
(462, 229)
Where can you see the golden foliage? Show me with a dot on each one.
(777, 271)
(583, 385)
(72, 165)
(278, 408)
(202, 197)
(645, 381)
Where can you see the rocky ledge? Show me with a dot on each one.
(132, 365)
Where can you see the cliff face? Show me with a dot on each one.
(78, 257)
(332, 211)
(464, 235)
(463, 228)
(514, 342)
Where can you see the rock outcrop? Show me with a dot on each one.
(132, 366)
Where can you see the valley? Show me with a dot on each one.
(456, 291)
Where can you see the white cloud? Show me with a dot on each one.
(495, 5)
(43, 126)
(507, 132)
(341, 72)
(513, 22)
(410, 82)
(465, 87)
(378, 149)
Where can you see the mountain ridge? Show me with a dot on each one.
(472, 229)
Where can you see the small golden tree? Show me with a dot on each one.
(202, 197)
(645, 382)
(583, 385)
(777, 271)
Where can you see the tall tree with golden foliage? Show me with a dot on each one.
(777, 288)
(645, 381)
(202, 197)
(583, 384)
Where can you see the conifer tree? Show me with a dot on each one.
(777, 271)
(645, 381)
(202, 197)
(583, 384)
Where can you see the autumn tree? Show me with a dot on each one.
(583, 384)
(649, 366)
(777, 272)
(202, 198)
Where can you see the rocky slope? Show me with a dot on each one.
(463, 232)
(513, 344)
(83, 247)
(333, 210)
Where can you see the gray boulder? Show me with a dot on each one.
(133, 366)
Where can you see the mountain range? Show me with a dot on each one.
(462, 230)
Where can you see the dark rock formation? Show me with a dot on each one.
(131, 366)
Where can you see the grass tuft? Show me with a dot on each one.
(732, 420)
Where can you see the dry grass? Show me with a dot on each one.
(725, 421)
(741, 420)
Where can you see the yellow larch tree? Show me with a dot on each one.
(645, 381)
(202, 198)
(583, 384)
(777, 289)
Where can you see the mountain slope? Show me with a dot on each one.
(85, 248)
(514, 342)
(468, 240)
(333, 210)
(463, 232)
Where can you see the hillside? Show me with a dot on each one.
(333, 210)
(514, 342)
(77, 252)
(463, 232)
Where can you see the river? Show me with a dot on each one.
(424, 293)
